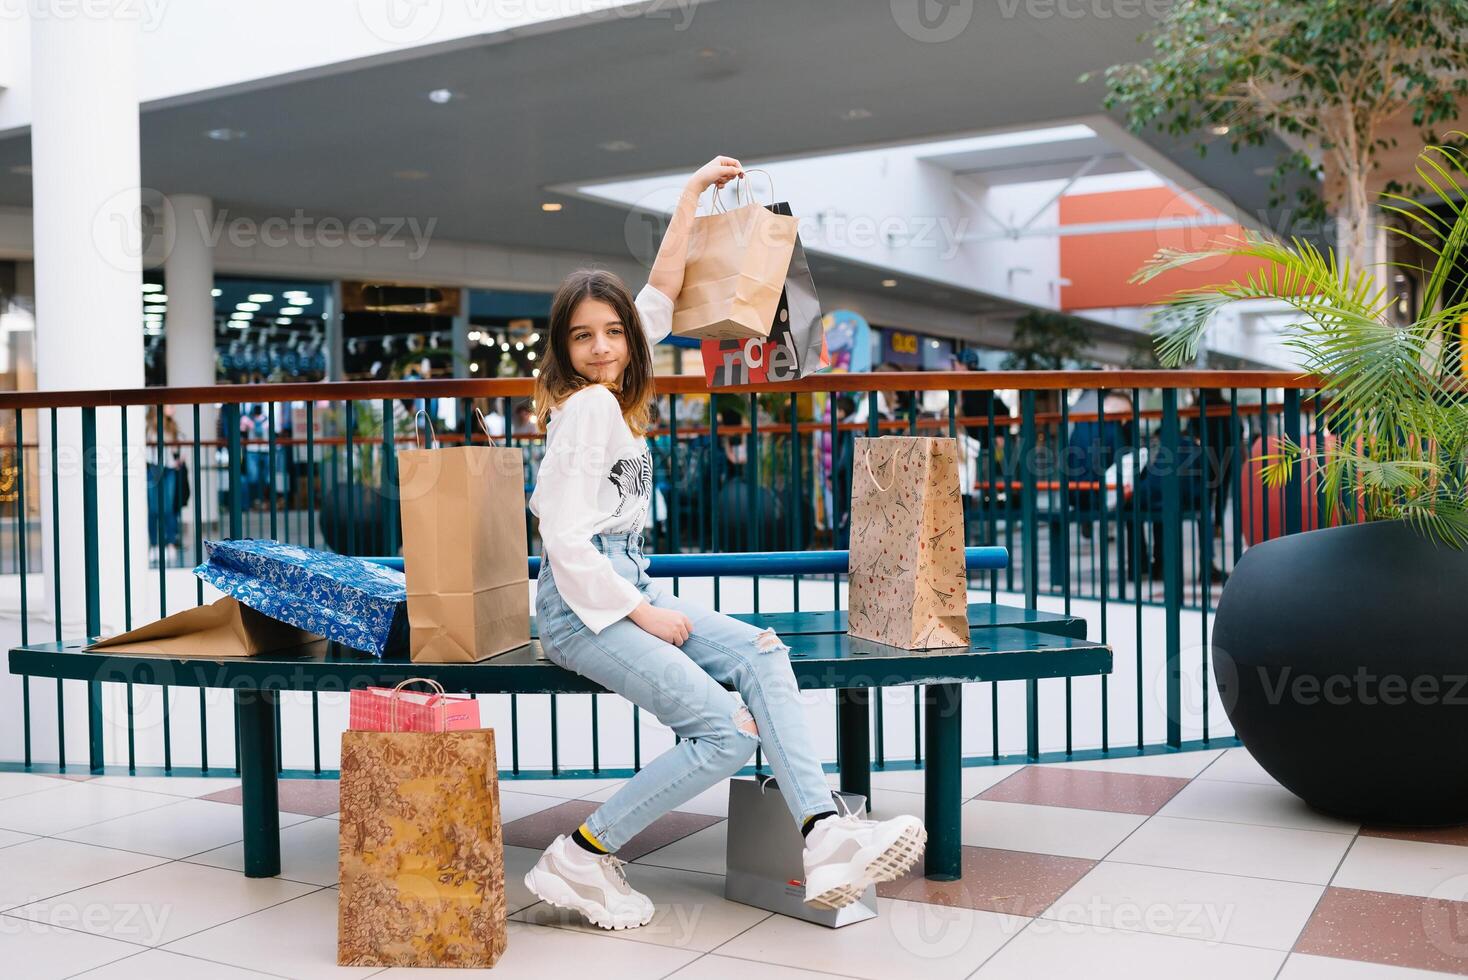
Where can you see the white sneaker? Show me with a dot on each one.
(570, 877)
(845, 853)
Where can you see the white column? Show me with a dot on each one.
(88, 278)
(188, 325)
(188, 270)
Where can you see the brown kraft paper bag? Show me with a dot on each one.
(737, 263)
(422, 850)
(908, 586)
(224, 628)
(464, 548)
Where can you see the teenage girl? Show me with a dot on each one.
(601, 616)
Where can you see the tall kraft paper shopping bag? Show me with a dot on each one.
(737, 263)
(464, 550)
(908, 586)
(796, 346)
(422, 857)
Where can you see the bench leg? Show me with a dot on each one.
(259, 791)
(942, 778)
(853, 729)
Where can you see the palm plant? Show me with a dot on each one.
(1397, 407)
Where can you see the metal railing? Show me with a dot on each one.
(1060, 481)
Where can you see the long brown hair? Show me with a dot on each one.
(558, 380)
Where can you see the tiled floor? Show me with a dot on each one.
(1188, 865)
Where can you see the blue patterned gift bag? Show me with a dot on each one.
(355, 602)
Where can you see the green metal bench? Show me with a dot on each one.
(1007, 644)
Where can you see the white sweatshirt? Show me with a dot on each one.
(595, 478)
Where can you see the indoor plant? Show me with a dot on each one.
(1339, 653)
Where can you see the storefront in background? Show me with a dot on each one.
(911, 351)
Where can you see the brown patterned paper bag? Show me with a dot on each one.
(908, 587)
(422, 854)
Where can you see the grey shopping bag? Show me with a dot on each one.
(764, 867)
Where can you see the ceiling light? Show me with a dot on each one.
(155, 309)
(283, 321)
(474, 335)
(519, 346)
(504, 346)
(853, 114)
(241, 315)
(216, 293)
(535, 374)
(1218, 130)
(550, 206)
(474, 366)
(247, 307)
(224, 134)
(889, 283)
(261, 297)
(158, 298)
(300, 299)
(617, 146)
(442, 96)
(534, 337)
(290, 310)
(530, 356)
(152, 287)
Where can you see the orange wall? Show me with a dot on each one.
(1098, 266)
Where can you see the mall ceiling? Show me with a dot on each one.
(623, 96)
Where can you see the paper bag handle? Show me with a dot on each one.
(744, 191)
(866, 457)
(428, 421)
(438, 692)
(484, 424)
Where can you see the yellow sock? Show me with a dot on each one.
(588, 837)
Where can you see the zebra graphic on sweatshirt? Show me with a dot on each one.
(632, 476)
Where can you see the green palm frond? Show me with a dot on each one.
(1394, 434)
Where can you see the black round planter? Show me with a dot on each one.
(1342, 661)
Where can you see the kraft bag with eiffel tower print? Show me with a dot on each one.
(908, 586)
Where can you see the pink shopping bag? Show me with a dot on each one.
(392, 709)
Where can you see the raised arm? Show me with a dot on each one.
(667, 269)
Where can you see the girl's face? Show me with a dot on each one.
(598, 342)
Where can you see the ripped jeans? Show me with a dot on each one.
(681, 687)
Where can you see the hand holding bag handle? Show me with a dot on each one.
(743, 192)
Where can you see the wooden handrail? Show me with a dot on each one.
(895, 426)
(681, 384)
